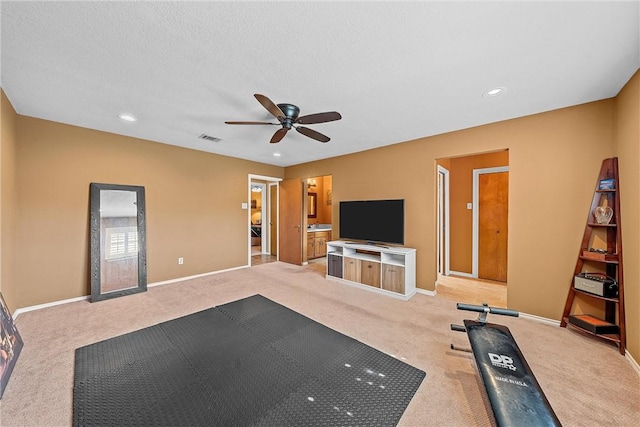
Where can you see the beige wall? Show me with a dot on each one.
(627, 144)
(7, 199)
(193, 202)
(461, 193)
(554, 160)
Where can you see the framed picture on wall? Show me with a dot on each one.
(10, 345)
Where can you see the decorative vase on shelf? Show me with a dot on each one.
(603, 214)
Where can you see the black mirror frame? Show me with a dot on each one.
(96, 288)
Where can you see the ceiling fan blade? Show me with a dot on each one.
(251, 123)
(313, 134)
(319, 118)
(277, 137)
(270, 106)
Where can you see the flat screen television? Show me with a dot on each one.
(375, 221)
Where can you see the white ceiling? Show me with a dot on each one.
(396, 71)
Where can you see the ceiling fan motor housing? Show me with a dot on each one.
(291, 113)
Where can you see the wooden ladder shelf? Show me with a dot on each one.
(598, 278)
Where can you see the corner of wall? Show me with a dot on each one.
(7, 195)
(627, 148)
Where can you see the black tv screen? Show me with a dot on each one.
(373, 220)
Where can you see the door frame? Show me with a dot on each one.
(442, 218)
(263, 215)
(273, 201)
(476, 212)
(270, 180)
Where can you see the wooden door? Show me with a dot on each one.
(493, 210)
(290, 224)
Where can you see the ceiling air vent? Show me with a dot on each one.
(209, 138)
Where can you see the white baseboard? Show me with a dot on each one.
(19, 311)
(425, 292)
(633, 362)
(181, 279)
(461, 274)
(545, 320)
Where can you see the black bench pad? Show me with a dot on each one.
(514, 394)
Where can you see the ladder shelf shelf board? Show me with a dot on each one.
(599, 275)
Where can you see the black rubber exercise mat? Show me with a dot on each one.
(251, 362)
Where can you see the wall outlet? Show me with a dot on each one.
(180, 261)
(469, 206)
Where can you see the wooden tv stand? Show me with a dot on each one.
(387, 270)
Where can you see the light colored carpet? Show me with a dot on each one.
(587, 382)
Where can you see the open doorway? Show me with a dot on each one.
(259, 207)
(319, 219)
(305, 220)
(490, 223)
(472, 222)
(262, 209)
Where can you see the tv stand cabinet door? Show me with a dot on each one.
(351, 269)
(334, 263)
(370, 273)
(311, 247)
(393, 278)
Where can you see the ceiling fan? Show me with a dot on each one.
(287, 115)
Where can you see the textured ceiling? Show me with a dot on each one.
(396, 71)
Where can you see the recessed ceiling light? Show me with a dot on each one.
(276, 154)
(495, 92)
(127, 117)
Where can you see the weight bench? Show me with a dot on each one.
(514, 394)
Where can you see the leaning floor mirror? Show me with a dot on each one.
(118, 241)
